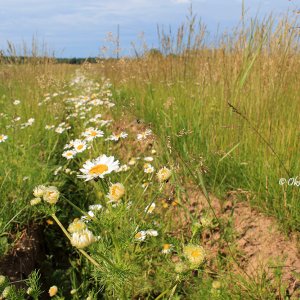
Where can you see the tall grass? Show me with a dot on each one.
(233, 105)
(29, 154)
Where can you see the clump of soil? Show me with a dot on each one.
(25, 256)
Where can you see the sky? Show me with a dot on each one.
(78, 28)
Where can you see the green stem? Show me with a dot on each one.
(95, 263)
(77, 208)
(69, 237)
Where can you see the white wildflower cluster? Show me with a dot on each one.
(81, 236)
(49, 194)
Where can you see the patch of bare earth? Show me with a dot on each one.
(24, 257)
(262, 245)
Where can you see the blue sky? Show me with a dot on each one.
(79, 27)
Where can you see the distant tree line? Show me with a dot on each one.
(76, 60)
(15, 59)
(5, 59)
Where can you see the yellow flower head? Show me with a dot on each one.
(116, 192)
(167, 248)
(82, 239)
(195, 254)
(76, 226)
(35, 201)
(53, 291)
(51, 194)
(38, 191)
(163, 174)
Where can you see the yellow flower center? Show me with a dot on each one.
(93, 133)
(78, 225)
(195, 253)
(138, 235)
(166, 246)
(98, 169)
(79, 147)
(115, 191)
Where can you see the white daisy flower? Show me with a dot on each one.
(39, 191)
(3, 138)
(30, 121)
(59, 130)
(16, 102)
(95, 207)
(79, 145)
(76, 226)
(92, 133)
(148, 168)
(144, 135)
(148, 158)
(123, 168)
(141, 235)
(82, 238)
(35, 201)
(116, 192)
(167, 248)
(163, 174)
(99, 167)
(69, 154)
(152, 232)
(51, 194)
(116, 137)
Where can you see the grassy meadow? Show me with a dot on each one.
(100, 159)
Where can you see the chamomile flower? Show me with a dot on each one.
(59, 129)
(79, 145)
(82, 239)
(167, 248)
(99, 167)
(95, 207)
(163, 174)
(195, 254)
(6, 293)
(116, 192)
(144, 135)
(53, 291)
(92, 133)
(30, 121)
(117, 137)
(148, 158)
(69, 154)
(148, 168)
(51, 194)
(16, 102)
(123, 168)
(35, 201)
(3, 138)
(76, 225)
(141, 235)
(152, 232)
(38, 191)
